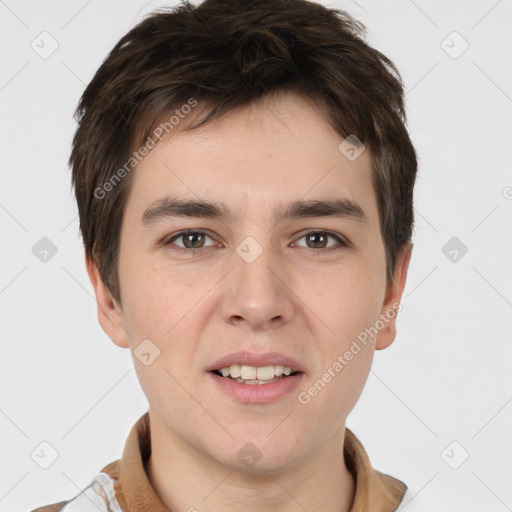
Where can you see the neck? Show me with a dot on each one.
(186, 480)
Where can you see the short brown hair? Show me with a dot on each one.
(226, 54)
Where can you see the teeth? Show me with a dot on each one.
(253, 374)
(234, 371)
(248, 373)
(256, 381)
(265, 373)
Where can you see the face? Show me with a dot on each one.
(303, 286)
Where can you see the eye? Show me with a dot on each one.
(193, 240)
(319, 239)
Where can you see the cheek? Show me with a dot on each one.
(335, 389)
(166, 306)
(156, 298)
(348, 302)
(349, 305)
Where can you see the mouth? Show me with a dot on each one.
(252, 378)
(238, 382)
(256, 375)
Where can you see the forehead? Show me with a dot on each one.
(273, 152)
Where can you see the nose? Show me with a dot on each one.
(258, 294)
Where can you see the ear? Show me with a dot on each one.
(390, 307)
(110, 315)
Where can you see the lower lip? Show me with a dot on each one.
(258, 393)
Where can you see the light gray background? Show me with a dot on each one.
(446, 378)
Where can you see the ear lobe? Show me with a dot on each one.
(391, 304)
(110, 315)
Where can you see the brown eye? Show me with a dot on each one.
(191, 240)
(319, 240)
(195, 239)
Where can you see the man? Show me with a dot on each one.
(244, 179)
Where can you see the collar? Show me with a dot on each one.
(374, 490)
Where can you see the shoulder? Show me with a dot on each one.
(98, 496)
(56, 507)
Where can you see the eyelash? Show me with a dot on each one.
(344, 244)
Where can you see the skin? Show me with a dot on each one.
(295, 298)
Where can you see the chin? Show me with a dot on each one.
(258, 457)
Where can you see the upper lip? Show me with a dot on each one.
(251, 359)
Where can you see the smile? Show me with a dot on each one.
(255, 375)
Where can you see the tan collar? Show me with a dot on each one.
(375, 491)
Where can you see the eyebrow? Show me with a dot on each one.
(170, 207)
